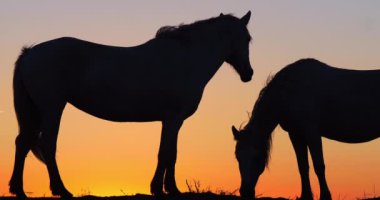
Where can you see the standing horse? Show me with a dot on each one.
(161, 80)
(309, 100)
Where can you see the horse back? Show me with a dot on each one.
(113, 83)
(343, 103)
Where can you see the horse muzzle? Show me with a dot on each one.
(247, 76)
(247, 187)
(247, 194)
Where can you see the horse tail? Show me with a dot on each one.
(26, 111)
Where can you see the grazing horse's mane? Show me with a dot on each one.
(267, 144)
(262, 92)
(181, 31)
(266, 98)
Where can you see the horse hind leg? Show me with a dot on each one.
(48, 145)
(24, 141)
(28, 121)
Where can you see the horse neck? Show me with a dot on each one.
(261, 126)
(261, 139)
(211, 52)
(261, 129)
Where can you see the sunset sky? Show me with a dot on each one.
(107, 158)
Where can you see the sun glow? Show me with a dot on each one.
(104, 158)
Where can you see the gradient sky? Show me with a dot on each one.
(107, 158)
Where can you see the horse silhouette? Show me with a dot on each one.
(160, 80)
(309, 100)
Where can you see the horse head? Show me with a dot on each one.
(251, 162)
(238, 55)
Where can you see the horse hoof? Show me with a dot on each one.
(156, 188)
(173, 191)
(63, 193)
(157, 193)
(176, 193)
(21, 196)
(19, 192)
(305, 198)
(66, 195)
(325, 197)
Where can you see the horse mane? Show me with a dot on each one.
(181, 32)
(265, 97)
(267, 145)
(262, 92)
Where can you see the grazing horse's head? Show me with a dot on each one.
(238, 55)
(252, 162)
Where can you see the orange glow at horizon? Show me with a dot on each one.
(105, 158)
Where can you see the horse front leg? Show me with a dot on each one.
(300, 147)
(167, 156)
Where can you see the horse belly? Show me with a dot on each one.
(135, 108)
(352, 125)
(351, 137)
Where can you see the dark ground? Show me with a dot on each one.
(184, 196)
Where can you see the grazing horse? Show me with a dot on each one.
(160, 80)
(309, 100)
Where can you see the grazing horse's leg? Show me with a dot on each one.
(316, 151)
(167, 156)
(300, 147)
(49, 127)
(23, 144)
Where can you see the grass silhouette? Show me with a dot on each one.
(195, 192)
(184, 196)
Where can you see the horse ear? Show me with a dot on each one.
(236, 133)
(246, 17)
(221, 14)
